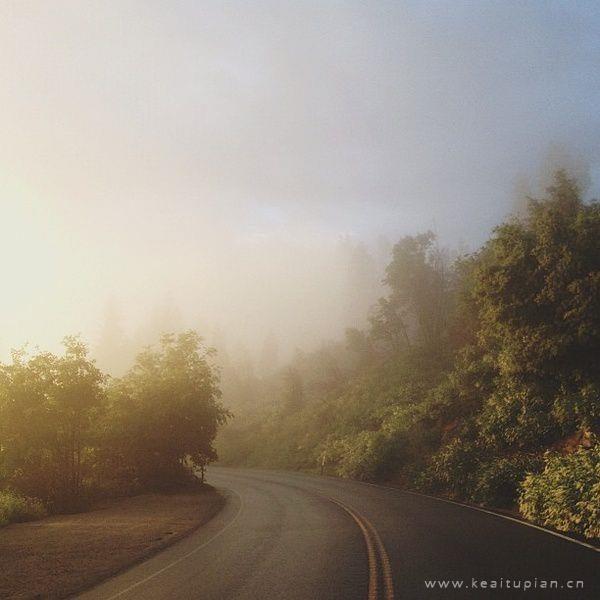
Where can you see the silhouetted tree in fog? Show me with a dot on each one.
(166, 410)
(48, 407)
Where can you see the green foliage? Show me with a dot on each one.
(517, 416)
(389, 324)
(66, 433)
(531, 376)
(361, 456)
(48, 405)
(535, 286)
(497, 480)
(15, 508)
(566, 494)
(467, 373)
(164, 413)
(452, 469)
(418, 280)
(419, 304)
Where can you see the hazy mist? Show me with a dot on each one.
(227, 165)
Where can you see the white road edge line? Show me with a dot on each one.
(484, 510)
(185, 556)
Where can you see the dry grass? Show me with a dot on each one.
(61, 555)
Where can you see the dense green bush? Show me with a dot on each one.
(451, 470)
(363, 456)
(497, 481)
(515, 416)
(15, 508)
(465, 471)
(566, 494)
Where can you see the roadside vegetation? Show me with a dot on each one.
(478, 377)
(70, 435)
(15, 508)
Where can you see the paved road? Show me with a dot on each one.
(291, 536)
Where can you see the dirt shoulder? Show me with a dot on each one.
(62, 555)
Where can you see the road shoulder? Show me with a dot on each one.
(62, 555)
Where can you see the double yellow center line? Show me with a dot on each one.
(376, 554)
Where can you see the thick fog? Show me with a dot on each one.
(243, 167)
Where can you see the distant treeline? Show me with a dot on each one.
(478, 378)
(69, 433)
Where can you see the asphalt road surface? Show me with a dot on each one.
(292, 536)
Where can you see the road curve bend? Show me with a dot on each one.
(291, 536)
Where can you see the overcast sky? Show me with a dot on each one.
(213, 153)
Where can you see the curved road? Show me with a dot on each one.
(292, 536)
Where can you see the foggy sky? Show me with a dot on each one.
(211, 155)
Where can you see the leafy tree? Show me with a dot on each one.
(537, 288)
(77, 398)
(360, 345)
(48, 405)
(389, 324)
(166, 411)
(418, 279)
